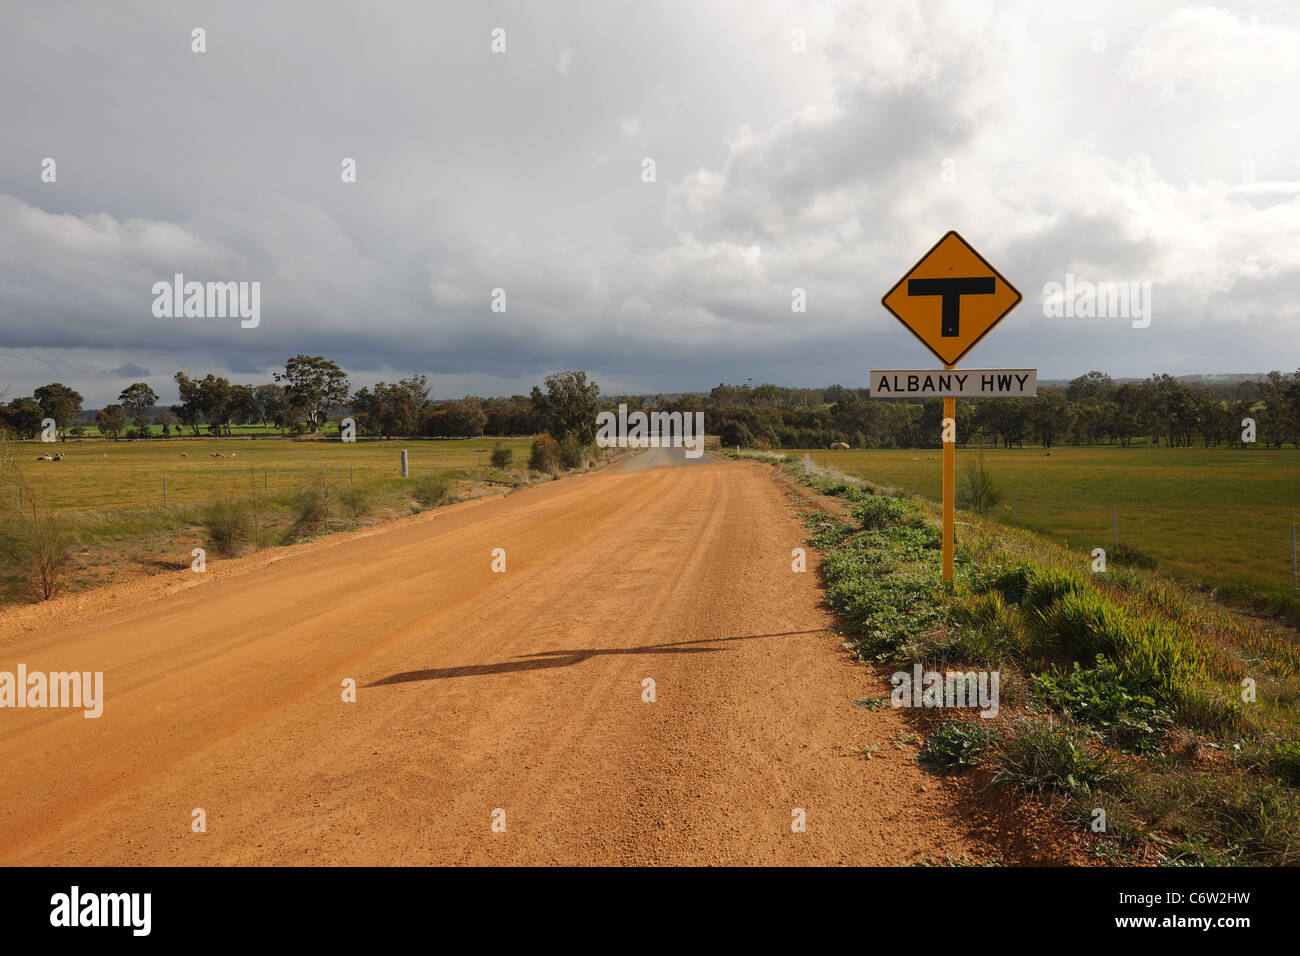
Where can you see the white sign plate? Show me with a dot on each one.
(964, 383)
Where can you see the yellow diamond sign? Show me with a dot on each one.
(951, 298)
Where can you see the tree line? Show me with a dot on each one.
(1091, 409)
(311, 390)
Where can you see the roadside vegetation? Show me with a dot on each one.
(1159, 722)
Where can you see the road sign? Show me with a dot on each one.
(967, 383)
(951, 298)
(949, 301)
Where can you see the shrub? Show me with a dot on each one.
(353, 501)
(976, 489)
(1012, 583)
(571, 455)
(545, 455)
(877, 512)
(431, 490)
(1047, 585)
(956, 745)
(502, 457)
(984, 629)
(226, 525)
(310, 510)
(1051, 756)
(733, 434)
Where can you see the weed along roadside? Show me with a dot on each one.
(1159, 724)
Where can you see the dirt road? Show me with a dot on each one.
(480, 691)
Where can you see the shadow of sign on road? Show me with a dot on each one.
(567, 658)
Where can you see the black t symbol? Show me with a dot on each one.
(952, 290)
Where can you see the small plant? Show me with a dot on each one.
(976, 490)
(502, 457)
(431, 490)
(311, 511)
(226, 525)
(956, 745)
(1048, 755)
(1099, 697)
(353, 501)
(869, 703)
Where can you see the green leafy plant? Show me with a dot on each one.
(956, 745)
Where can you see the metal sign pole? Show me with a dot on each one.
(949, 480)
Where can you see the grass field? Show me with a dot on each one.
(106, 497)
(98, 475)
(1216, 516)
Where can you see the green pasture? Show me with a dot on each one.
(102, 475)
(1218, 516)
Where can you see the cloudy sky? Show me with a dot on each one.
(1133, 141)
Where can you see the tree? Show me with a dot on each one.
(315, 385)
(272, 406)
(111, 419)
(58, 402)
(190, 409)
(215, 402)
(1050, 415)
(570, 404)
(23, 417)
(1096, 385)
(136, 400)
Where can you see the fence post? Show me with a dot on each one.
(265, 479)
(807, 465)
(404, 471)
(1013, 506)
(164, 490)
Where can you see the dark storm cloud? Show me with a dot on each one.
(827, 171)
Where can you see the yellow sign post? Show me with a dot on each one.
(950, 300)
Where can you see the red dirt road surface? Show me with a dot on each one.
(480, 692)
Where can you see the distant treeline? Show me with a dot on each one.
(1092, 409)
(311, 390)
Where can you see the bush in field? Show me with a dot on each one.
(545, 456)
(353, 502)
(571, 451)
(734, 433)
(976, 490)
(502, 457)
(226, 525)
(431, 490)
(310, 511)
